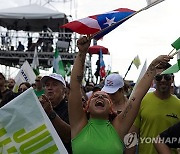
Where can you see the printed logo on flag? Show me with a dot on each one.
(28, 142)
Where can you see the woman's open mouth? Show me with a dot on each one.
(99, 104)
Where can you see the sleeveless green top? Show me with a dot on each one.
(97, 137)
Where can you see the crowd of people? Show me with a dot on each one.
(96, 118)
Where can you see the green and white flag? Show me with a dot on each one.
(35, 63)
(25, 128)
(58, 66)
(176, 44)
(175, 68)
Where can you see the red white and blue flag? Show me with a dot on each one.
(102, 72)
(96, 23)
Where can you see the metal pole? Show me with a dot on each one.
(128, 69)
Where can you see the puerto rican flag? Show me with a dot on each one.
(102, 72)
(102, 23)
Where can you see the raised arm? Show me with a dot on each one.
(77, 116)
(127, 117)
(62, 128)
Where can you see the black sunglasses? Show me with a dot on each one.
(166, 77)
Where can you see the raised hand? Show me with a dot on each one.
(83, 44)
(161, 60)
(46, 104)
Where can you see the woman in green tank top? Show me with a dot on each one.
(98, 134)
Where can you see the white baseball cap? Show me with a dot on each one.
(55, 76)
(112, 83)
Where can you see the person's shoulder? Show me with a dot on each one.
(148, 97)
(175, 98)
(151, 89)
(7, 92)
(62, 107)
(149, 94)
(63, 104)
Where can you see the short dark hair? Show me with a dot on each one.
(28, 85)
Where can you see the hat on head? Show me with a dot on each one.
(112, 83)
(54, 76)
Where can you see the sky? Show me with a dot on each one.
(148, 34)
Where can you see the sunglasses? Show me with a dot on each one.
(166, 77)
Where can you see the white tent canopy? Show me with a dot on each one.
(31, 18)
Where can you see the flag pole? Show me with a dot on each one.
(170, 52)
(128, 69)
(124, 19)
(169, 55)
(174, 53)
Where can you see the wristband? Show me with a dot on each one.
(52, 115)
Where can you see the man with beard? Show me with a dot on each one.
(11, 83)
(159, 110)
(55, 106)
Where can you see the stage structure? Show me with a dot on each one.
(34, 26)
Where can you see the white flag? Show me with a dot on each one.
(25, 127)
(25, 74)
(35, 63)
(143, 71)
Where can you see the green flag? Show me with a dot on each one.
(172, 69)
(58, 66)
(175, 68)
(176, 44)
(35, 63)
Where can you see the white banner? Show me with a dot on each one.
(25, 74)
(25, 128)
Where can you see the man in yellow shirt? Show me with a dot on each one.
(159, 110)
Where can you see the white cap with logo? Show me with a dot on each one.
(55, 76)
(112, 83)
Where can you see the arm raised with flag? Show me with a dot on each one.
(92, 132)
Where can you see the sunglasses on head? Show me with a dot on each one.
(166, 77)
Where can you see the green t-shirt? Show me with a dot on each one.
(39, 93)
(97, 137)
(155, 115)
